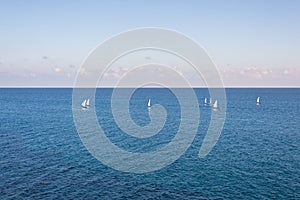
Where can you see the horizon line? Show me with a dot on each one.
(110, 87)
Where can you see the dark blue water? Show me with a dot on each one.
(256, 157)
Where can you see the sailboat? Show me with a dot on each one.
(205, 101)
(85, 103)
(210, 101)
(215, 106)
(258, 101)
(149, 103)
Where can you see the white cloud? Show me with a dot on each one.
(286, 71)
(116, 72)
(57, 69)
(258, 76)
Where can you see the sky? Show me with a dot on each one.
(253, 43)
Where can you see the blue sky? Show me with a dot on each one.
(253, 43)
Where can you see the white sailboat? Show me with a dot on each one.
(85, 103)
(210, 101)
(258, 101)
(215, 106)
(149, 103)
(205, 101)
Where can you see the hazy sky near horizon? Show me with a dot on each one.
(253, 43)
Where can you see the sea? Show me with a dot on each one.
(257, 155)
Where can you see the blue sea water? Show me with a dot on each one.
(257, 155)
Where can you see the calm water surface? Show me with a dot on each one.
(256, 157)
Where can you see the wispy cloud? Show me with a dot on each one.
(29, 74)
(57, 69)
(116, 72)
(256, 76)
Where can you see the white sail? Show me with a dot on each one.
(149, 103)
(83, 104)
(205, 101)
(210, 102)
(88, 102)
(258, 100)
(215, 104)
